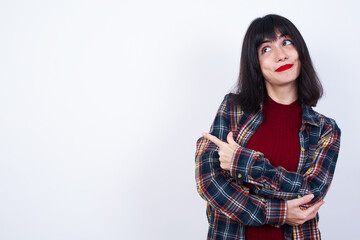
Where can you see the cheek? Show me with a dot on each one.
(264, 66)
(298, 63)
(296, 57)
(266, 70)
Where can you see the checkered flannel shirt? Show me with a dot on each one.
(253, 192)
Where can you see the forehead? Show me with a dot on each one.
(277, 37)
(268, 34)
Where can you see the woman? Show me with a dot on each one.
(269, 159)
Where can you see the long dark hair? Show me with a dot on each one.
(251, 90)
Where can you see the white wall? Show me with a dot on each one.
(101, 103)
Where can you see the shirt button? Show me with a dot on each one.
(302, 149)
(239, 175)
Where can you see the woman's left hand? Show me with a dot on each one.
(226, 149)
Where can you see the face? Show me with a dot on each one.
(279, 61)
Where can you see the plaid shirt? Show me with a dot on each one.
(253, 192)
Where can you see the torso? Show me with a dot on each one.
(278, 139)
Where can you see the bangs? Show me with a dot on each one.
(268, 27)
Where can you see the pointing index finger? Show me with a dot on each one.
(213, 139)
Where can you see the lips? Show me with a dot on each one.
(284, 67)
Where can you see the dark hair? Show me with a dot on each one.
(251, 90)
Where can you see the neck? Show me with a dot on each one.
(282, 94)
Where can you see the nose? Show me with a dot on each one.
(281, 55)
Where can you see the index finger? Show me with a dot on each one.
(213, 139)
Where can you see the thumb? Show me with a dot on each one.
(305, 199)
(230, 138)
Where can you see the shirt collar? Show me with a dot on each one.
(310, 116)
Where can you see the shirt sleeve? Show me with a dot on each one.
(222, 192)
(252, 167)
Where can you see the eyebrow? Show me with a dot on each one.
(267, 41)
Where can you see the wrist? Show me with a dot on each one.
(238, 168)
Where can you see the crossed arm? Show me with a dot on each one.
(250, 166)
(227, 194)
(295, 214)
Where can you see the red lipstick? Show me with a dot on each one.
(284, 67)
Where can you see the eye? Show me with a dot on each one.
(287, 42)
(265, 49)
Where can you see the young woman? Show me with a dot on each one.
(269, 159)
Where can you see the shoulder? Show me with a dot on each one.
(230, 105)
(325, 123)
(231, 109)
(228, 98)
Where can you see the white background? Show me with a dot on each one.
(101, 103)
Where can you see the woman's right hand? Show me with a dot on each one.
(296, 216)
